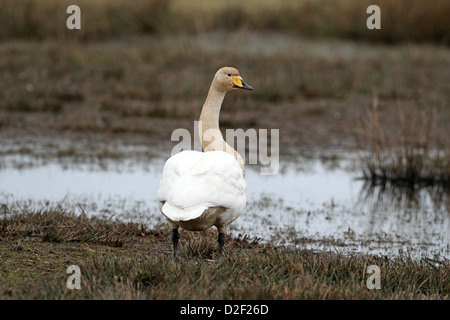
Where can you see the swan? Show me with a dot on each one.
(199, 190)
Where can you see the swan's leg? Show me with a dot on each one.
(221, 241)
(175, 237)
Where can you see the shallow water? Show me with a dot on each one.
(309, 203)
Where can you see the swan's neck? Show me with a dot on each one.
(209, 131)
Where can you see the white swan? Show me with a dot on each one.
(199, 190)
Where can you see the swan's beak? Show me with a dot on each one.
(238, 82)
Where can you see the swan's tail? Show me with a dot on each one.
(177, 214)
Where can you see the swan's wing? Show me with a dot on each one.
(194, 181)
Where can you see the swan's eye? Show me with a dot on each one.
(229, 74)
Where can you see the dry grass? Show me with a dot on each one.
(405, 152)
(314, 91)
(401, 19)
(142, 268)
(269, 274)
(243, 274)
(58, 225)
(100, 19)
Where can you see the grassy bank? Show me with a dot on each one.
(126, 261)
(316, 92)
(401, 20)
(132, 81)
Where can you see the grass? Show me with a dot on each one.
(401, 20)
(47, 19)
(405, 152)
(271, 274)
(142, 88)
(56, 224)
(33, 265)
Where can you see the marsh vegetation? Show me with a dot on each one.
(127, 261)
(406, 151)
(107, 99)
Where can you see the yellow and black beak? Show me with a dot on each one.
(238, 82)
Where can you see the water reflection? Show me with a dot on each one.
(413, 217)
(383, 196)
(309, 203)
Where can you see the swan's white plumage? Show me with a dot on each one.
(199, 190)
(195, 181)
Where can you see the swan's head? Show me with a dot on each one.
(228, 78)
